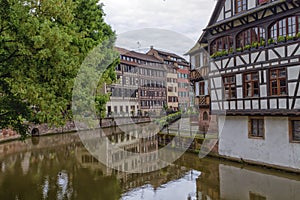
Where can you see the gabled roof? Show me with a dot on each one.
(166, 54)
(216, 12)
(213, 22)
(143, 56)
(138, 55)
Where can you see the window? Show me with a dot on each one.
(256, 127)
(247, 37)
(202, 88)
(223, 43)
(229, 86)
(205, 116)
(197, 61)
(278, 84)
(251, 86)
(294, 129)
(240, 5)
(286, 27)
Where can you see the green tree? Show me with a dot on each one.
(102, 97)
(42, 45)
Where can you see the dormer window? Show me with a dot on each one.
(240, 6)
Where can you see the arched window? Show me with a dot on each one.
(247, 37)
(220, 44)
(205, 116)
(289, 26)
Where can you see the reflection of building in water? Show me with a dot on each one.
(137, 152)
(125, 148)
(256, 185)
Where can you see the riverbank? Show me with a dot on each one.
(164, 139)
(195, 146)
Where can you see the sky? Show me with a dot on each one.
(170, 25)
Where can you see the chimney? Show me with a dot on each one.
(151, 47)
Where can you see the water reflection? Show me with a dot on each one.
(59, 167)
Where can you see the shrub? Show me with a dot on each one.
(298, 35)
(262, 43)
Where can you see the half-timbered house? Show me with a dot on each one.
(141, 85)
(179, 91)
(254, 79)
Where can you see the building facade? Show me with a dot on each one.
(183, 89)
(199, 59)
(124, 94)
(254, 79)
(141, 86)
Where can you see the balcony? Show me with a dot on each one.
(199, 73)
(202, 101)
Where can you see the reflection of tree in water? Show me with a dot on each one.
(53, 173)
(58, 172)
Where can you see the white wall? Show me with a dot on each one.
(274, 149)
(269, 186)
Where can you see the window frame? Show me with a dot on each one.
(291, 135)
(247, 36)
(229, 84)
(205, 116)
(252, 82)
(278, 79)
(250, 128)
(243, 6)
(221, 43)
(284, 27)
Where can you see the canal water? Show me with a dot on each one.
(60, 167)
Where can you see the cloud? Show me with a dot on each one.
(166, 40)
(187, 17)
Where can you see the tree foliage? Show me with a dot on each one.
(42, 45)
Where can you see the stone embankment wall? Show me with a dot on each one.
(45, 129)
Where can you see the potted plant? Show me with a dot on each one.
(262, 43)
(254, 45)
(231, 50)
(281, 39)
(214, 55)
(224, 53)
(247, 47)
(239, 49)
(289, 37)
(298, 35)
(271, 41)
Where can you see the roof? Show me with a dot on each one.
(166, 54)
(213, 21)
(196, 47)
(169, 54)
(138, 55)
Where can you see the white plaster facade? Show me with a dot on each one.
(275, 148)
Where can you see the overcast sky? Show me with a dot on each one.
(141, 23)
